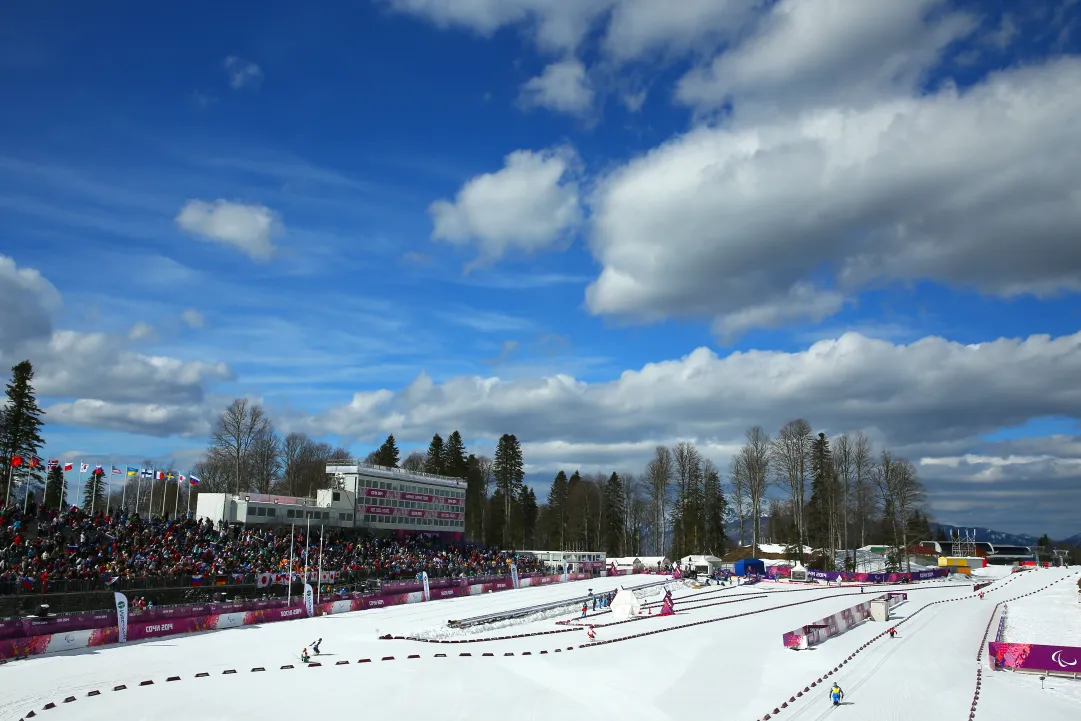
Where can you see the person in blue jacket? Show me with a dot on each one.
(836, 694)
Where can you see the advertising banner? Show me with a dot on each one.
(514, 574)
(121, 616)
(1035, 657)
(818, 631)
(846, 577)
(309, 600)
(427, 589)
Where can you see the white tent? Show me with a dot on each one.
(625, 604)
(702, 564)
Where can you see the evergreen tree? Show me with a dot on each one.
(454, 457)
(94, 492)
(434, 462)
(528, 503)
(715, 510)
(20, 430)
(557, 509)
(941, 536)
(387, 455)
(818, 510)
(919, 528)
(54, 488)
(615, 515)
(508, 469)
(498, 519)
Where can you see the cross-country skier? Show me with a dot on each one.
(315, 646)
(591, 633)
(893, 632)
(836, 694)
(304, 657)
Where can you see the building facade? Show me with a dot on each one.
(404, 502)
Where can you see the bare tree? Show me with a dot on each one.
(236, 429)
(863, 465)
(214, 472)
(909, 495)
(737, 475)
(791, 463)
(755, 458)
(885, 478)
(264, 460)
(658, 477)
(843, 470)
(296, 452)
(414, 461)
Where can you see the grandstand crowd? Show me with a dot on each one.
(37, 548)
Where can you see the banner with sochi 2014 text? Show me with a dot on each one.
(427, 589)
(121, 616)
(514, 575)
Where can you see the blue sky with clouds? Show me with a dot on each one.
(599, 225)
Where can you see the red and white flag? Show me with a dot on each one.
(53, 464)
(68, 466)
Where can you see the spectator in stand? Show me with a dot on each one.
(72, 545)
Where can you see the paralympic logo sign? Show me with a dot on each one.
(1035, 657)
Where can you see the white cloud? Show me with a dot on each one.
(141, 331)
(563, 87)
(193, 318)
(249, 228)
(242, 73)
(637, 27)
(97, 373)
(27, 304)
(928, 391)
(530, 204)
(976, 189)
(820, 52)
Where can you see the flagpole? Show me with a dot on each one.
(26, 493)
(80, 482)
(150, 501)
(289, 575)
(164, 491)
(188, 512)
(307, 533)
(124, 493)
(63, 486)
(176, 498)
(45, 490)
(11, 475)
(109, 493)
(94, 493)
(138, 489)
(319, 573)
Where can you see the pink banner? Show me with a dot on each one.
(1035, 657)
(410, 512)
(144, 628)
(414, 497)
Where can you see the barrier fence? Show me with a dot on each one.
(222, 616)
(1058, 660)
(846, 577)
(818, 631)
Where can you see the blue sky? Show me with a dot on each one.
(239, 201)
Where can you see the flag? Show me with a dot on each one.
(116, 471)
(98, 470)
(84, 467)
(53, 464)
(132, 471)
(68, 466)
(181, 477)
(193, 480)
(159, 476)
(146, 473)
(170, 477)
(28, 583)
(197, 579)
(34, 462)
(16, 460)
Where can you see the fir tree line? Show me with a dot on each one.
(20, 437)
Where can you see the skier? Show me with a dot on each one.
(585, 610)
(315, 646)
(893, 632)
(836, 694)
(304, 657)
(591, 633)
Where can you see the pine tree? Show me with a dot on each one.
(454, 456)
(818, 510)
(54, 488)
(20, 431)
(508, 468)
(434, 462)
(615, 515)
(715, 509)
(387, 455)
(528, 503)
(557, 507)
(94, 492)
(474, 500)
(941, 536)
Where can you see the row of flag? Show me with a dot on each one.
(130, 472)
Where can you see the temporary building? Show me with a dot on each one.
(750, 566)
(705, 565)
(625, 604)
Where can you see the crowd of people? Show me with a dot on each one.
(39, 548)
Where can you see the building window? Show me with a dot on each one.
(337, 496)
(251, 510)
(270, 512)
(260, 511)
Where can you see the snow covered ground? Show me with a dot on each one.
(1052, 617)
(704, 654)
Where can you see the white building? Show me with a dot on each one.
(703, 565)
(573, 561)
(329, 508)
